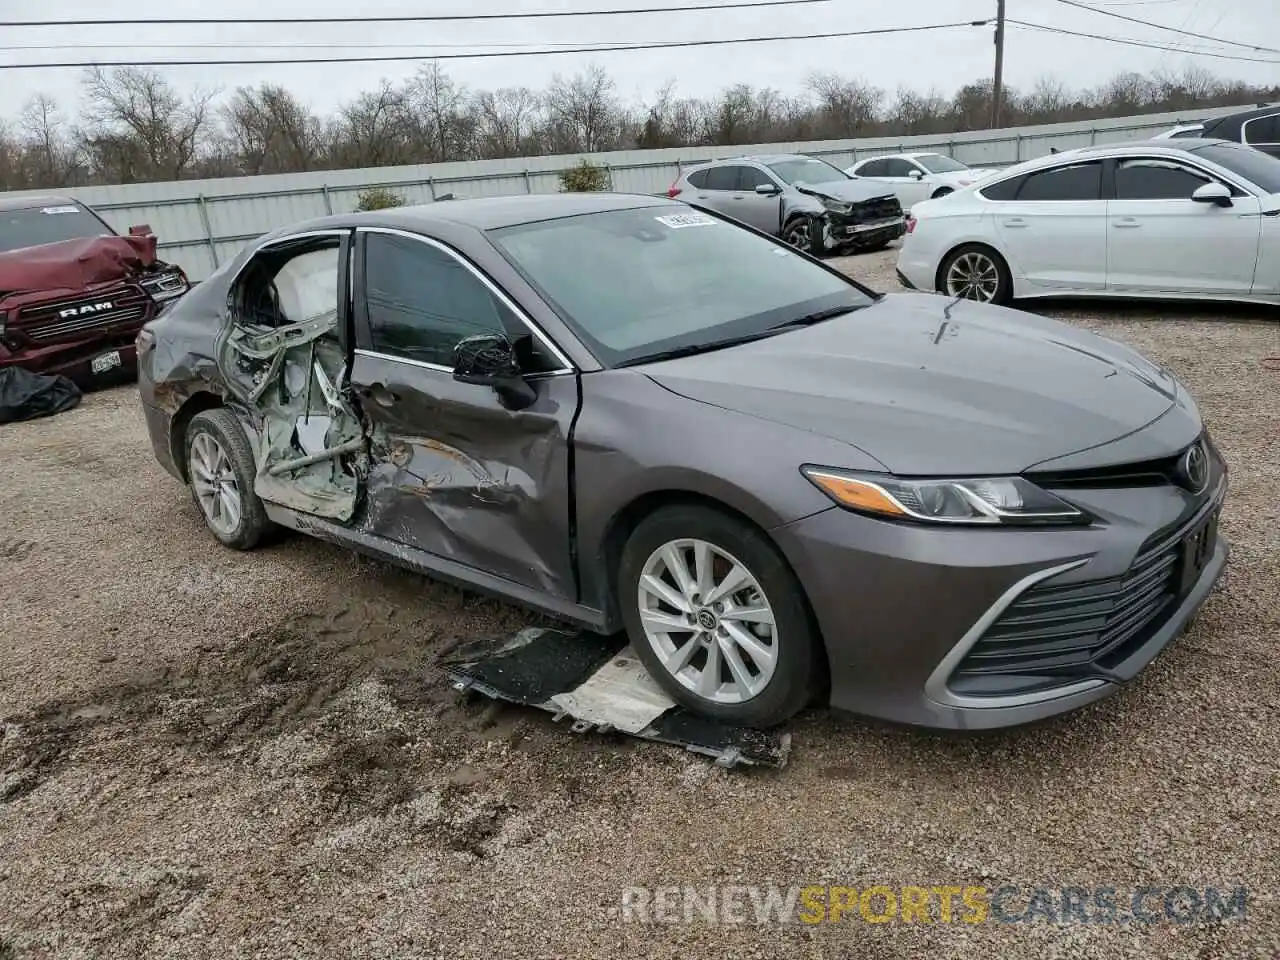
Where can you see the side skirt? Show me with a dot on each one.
(439, 568)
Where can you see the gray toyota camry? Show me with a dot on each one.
(635, 415)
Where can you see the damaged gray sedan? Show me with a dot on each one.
(633, 415)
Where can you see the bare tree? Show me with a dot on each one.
(139, 126)
(371, 130)
(48, 152)
(439, 107)
(271, 131)
(584, 113)
(505, 120)
(845, 107)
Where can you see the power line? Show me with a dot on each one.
(431, 18)
(485, 55)
(1161, 26)
(1141, 43)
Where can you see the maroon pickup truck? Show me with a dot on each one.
(73, 292)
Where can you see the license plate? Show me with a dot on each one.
(108, 361)
(1197, 549)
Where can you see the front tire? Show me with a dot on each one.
(718, 618)
(804, 232)
(976, 272)
(220, 472)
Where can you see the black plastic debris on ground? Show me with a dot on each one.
(597, 683)
(26, 396)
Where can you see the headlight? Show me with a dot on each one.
(1010, 501)
(837, 206)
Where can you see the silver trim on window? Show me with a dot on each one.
(1244, 131)
(936, 687)
(542, 337)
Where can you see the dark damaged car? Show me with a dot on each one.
(73, 293)
(807, 202)
(633, 415)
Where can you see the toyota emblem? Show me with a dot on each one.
(1195, 467)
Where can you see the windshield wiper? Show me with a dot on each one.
(809, 319)
(691, 349)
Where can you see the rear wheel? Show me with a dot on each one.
(975, 272)
(717, 616)
(220, 471)
(941, 192)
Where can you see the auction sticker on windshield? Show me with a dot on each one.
(678, 220)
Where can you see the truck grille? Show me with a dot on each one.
(881, 208)
(1085, 628)
(122, 306)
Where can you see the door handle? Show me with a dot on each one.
(1015, 222)
(379, 394)
(1127, 223)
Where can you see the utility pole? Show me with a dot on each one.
(997, 86)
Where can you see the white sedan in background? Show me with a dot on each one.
(1180, 219)
(914, 177)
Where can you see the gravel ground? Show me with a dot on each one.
(205, 753)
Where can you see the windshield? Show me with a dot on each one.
(937, 163)
(807, 170)
(637, 283)
(33, 226)
(1255, 166)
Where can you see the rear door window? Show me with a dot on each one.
(1075, 181)
(722, 178)
(1263, 130)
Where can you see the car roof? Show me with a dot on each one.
(1234, 121)
(485, 213)
(1125, 148)
(32, 203)
(757, 158)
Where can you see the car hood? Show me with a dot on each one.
(74, 264)
(972, 175)
(850, 191)
(984, 391)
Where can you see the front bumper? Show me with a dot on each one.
(76, 361)
(841, 231)
(901, 607)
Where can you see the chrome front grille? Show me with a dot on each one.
(118, 307)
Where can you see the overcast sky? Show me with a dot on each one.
(943, 59)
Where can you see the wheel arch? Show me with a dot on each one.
(629, 515)
(955, 247)
(198, 402)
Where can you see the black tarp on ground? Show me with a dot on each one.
(25, 395)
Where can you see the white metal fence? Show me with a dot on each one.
(202, 223)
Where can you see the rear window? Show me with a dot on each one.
(33, 226)
(1253, 165)
(633, 283)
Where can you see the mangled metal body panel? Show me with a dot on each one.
(310, 446)
(455, 473)
(595, 681)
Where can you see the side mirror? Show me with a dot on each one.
(1215, 193)
(916, 175)
(140, 230)
(768, 189)
(490, 360)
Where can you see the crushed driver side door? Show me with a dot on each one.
(454, 471)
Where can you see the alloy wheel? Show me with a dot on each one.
(707, 618)
(797, 235)
(216, 487)
(973, 276)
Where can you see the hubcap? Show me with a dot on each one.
(973, 276)
(215, 484)
(706, 617)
